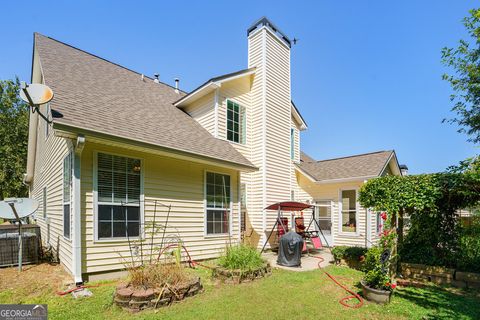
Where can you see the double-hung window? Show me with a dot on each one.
(118, 187)
(235, 122)
(217, 203)
(67, 193)
(349, 210)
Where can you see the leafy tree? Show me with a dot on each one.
(465, 81)
(431, 202)
(13, 140)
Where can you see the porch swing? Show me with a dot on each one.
(281, 224)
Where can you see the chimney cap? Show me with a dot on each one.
(264, 21)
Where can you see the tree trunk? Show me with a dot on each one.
(394, 265)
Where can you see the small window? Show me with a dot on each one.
(217, 203)
(349, 211)
(292, 195)
(292, 144)
(44, 202)
(235, 122)
(118, 188)
(67, 192)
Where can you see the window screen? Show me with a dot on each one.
(218, 203)
(118, 196)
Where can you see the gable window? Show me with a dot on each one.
(292, 144)
(235, 122)
(218, 207)
(349, 210)
(67, 191)
(118, 187)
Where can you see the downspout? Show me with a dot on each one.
(32, 147)
(77, 216)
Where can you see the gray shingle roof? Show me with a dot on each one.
(363, 165)
(97, 95)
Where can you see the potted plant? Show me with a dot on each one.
(377, 285)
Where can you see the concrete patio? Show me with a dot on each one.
(309, 262)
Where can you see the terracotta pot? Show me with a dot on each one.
(375, 295)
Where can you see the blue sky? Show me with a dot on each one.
(366, 75)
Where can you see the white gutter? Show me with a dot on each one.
(77, 217)
(205, 89)
(298, 118)
(32, 147)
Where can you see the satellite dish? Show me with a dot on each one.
(23, 206)
(39, 93)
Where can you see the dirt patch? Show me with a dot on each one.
(34, 280)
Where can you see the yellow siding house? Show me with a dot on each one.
(122, 150)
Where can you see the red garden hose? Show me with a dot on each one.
(344, 300)
(192, 262)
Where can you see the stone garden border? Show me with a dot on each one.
(440, 275)
(238, 276)
(135, 299)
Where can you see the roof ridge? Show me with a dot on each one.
(104, 59)
(353, 156)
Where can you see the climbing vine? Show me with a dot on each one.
(430, 201)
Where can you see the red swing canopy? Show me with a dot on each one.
(289, 206)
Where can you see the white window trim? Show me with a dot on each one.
(340, 217)
(377, 219)
(239, 124)
(95, 199)
(71, 154)
(230, 213)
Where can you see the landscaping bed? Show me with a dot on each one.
(229, 301)
(241, 263)
(440, 275)
(238, 276)
(136, 299)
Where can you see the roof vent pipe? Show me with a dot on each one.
(176, 85)
(156, 75)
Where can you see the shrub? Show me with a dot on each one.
(155, 275)
(469, 257)
(348, 253)
(241, 257)
(376, 272)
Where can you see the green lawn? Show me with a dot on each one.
(284, 295)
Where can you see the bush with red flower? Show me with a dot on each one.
(378, 263)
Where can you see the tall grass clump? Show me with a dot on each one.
(242, 257)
